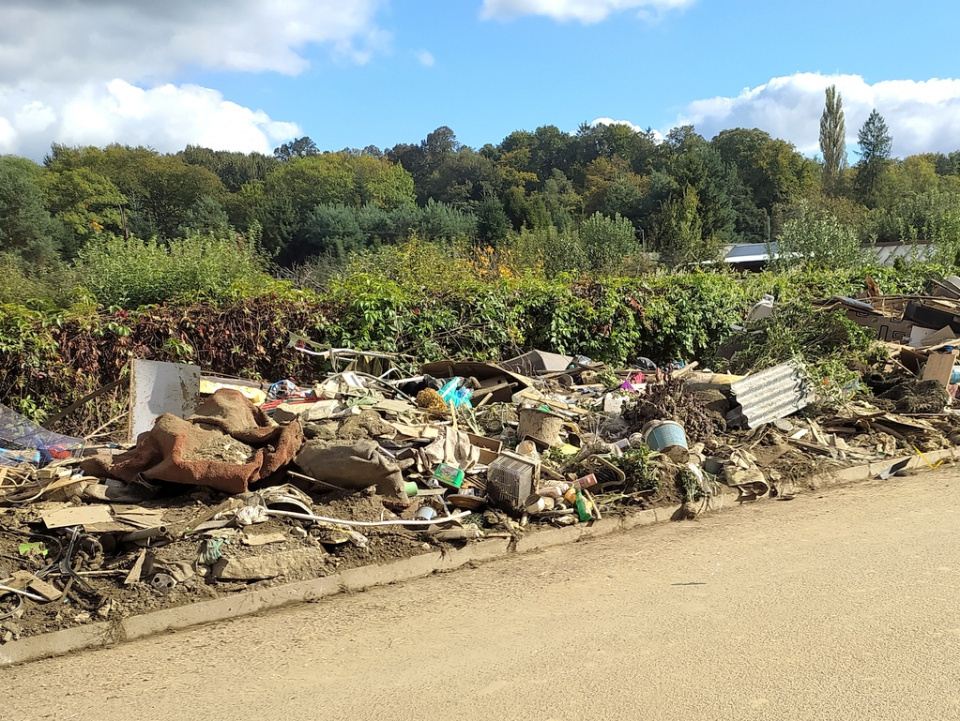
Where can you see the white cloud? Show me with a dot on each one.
(425, 58)
(584, 11)
(96, 71)
(635, 128)
(611, 121)
(73, 40)
(922, 115)
(166, 118)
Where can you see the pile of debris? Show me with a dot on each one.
(231, 483)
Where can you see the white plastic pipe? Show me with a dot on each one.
(367, 524)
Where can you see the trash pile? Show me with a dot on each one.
(229, 483)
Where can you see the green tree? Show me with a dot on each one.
(561, 200)
(833, 144)
(680, 231)
(493, 225)
(330, 230)
(463, 179)
(160, 189)
(772, 170)
(345, 179)
(439, 221)
(298, 148)
(86, 202)
(27, 230)
(607, 242)
(205, 217)
(876, 144)
(611, 186)
(233, 168)
(815, 239)
(701, 168)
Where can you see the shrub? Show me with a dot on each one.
(131, 273)
(607, 242)
(816, 239)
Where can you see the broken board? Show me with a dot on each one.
(76, 516)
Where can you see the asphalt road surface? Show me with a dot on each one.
(835, 605)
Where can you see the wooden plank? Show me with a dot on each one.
(76, 516)
(86, 399)
(939, 367)
(41, 587)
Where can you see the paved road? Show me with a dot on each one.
(840, 605)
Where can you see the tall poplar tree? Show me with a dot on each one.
(832, 140)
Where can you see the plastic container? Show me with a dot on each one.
(426, 513)
(586, 481)
(449, 475)
(534, 504)
(583, 508)
(411, 489)
(660, 435)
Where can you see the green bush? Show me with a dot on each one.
(815, 239)
(35, 287)
(607, 242)
(132, 273)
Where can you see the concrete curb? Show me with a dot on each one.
(107, 633)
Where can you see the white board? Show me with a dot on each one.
(157, 388)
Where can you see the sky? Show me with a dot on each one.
(249, 75)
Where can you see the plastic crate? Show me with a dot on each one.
(511, 478)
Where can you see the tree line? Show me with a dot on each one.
(682, 196)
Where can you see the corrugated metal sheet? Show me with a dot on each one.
(775, 393)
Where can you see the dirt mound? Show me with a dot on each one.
(915, 396)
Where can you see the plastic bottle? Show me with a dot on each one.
(583, 507)
(463, 396)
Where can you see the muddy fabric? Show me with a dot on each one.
(231, 412)
(223, 446)
(355, 466)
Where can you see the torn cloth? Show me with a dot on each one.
(227, 444)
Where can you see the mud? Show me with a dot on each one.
(368, 424)
(914, 396)
(109, 599)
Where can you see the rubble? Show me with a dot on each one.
(381, 459)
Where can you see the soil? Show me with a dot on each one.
(914, 396)
(368, 424)
(109, 598)
(218, 446)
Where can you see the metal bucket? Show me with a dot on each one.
(661, 435)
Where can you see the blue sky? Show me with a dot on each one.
(248, 74)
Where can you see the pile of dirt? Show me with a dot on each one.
(914, 396)
(384, 543)
(665, 399)
(368, 424)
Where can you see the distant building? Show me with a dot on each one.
(750, 256)
(755, 256)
